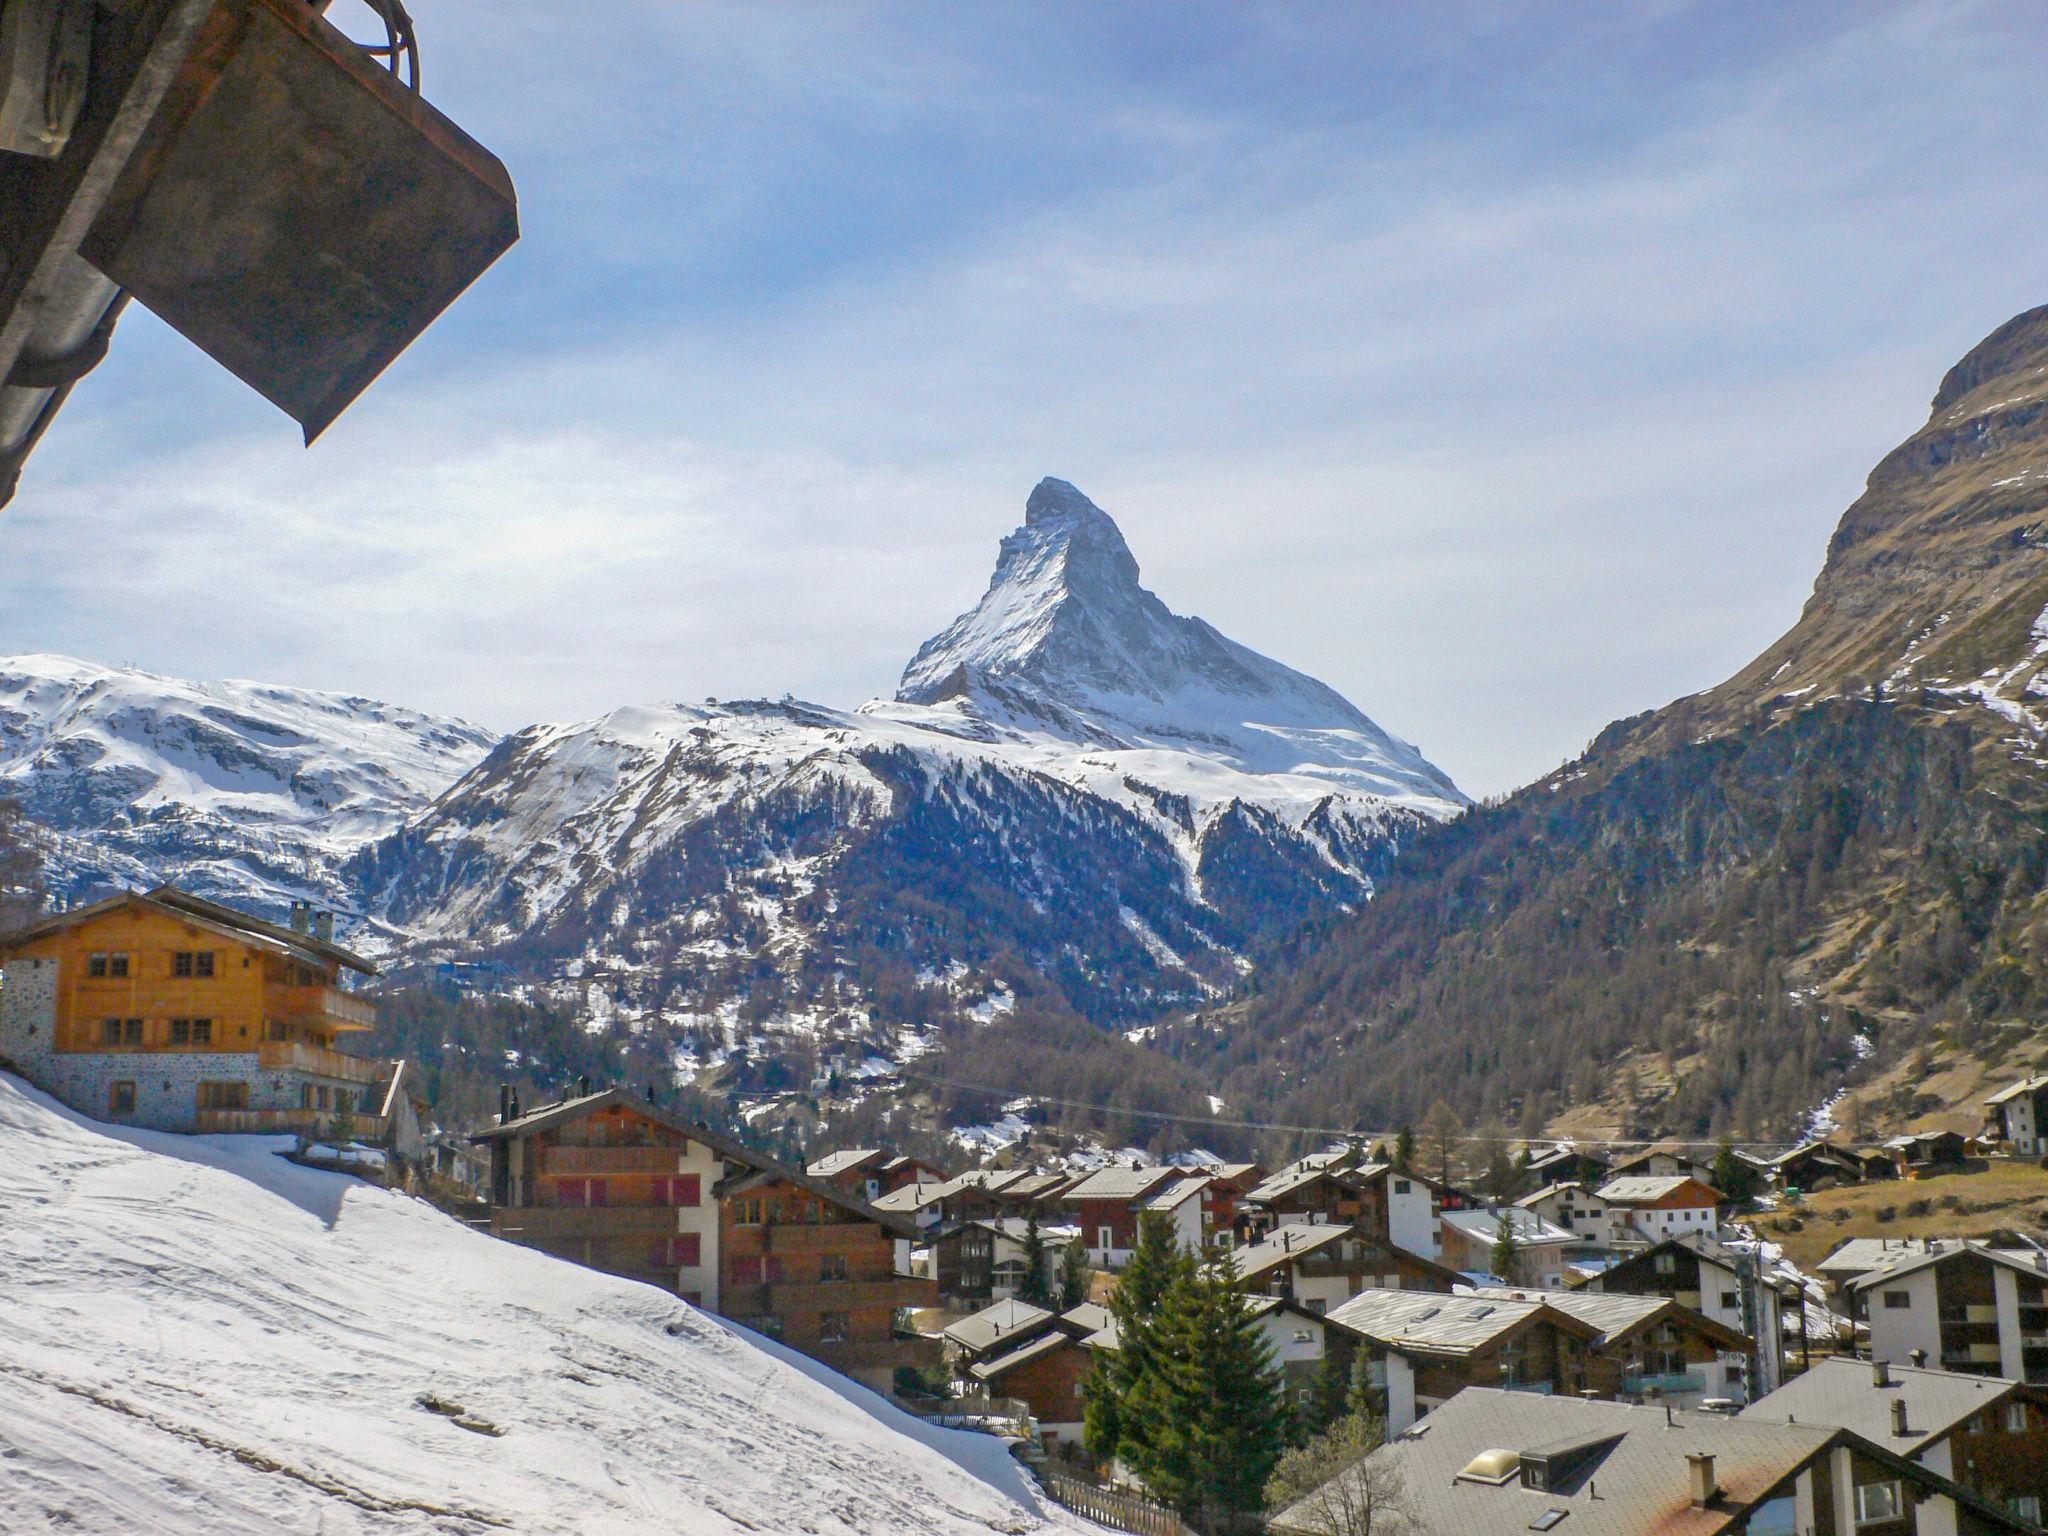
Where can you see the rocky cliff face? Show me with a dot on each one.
(1827, 871)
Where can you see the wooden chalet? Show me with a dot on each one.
(623, 1186)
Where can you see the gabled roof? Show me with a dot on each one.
(1617, 1314)
(1167, 1197)
(998, 1324)
(1641, 1189)
(1422, 1322)
(1283, 1245)
(1121, 1183)
(914, 1197)
(1635, 1457)
(1567, 1186)
(2024, 1085)
(833, 1164)
(1530, 1230)
(1707, 1249)
(2033, 1265)
(1088, 1317)
(171, 902)
(1845, 1392)
(757, 1164)
(1860, 1255)
(997, 1366)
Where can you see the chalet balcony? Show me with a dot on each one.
(781, 1296)
(326, 1008)
(247, 1122)
(546, 1222)
(1669, 1384)
(601, 1160)
(294, 1056)
(808, 1239)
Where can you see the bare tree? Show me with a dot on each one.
(1441, 1130)
(1335, 1486)
(21, 869)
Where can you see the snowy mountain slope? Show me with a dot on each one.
(202, 1338)
(1073, 783)
(239, 790)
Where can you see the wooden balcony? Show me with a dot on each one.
(278, 1121)
(545, 1222)
(294, 1056)
(778, 1297)
(327, 1008)
(826, 1238)
(586, 1160)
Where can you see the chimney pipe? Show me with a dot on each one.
(504, 1102)
(1880, 1373)
(1700, 1476)
(583, 1085)
(1919, 1359)
(323, 927)
(1899, 1417)
(650, 1093)
(302, 916)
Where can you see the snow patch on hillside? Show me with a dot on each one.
(203, 1339)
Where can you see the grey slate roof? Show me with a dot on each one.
(996, 1366)
(1641, 1477)
(1615, 1313)
(2025, 1261)
(992, 1325)
(2025, 1085)
(1640, 1188)
(1844, 1392)
(1120, 1183)
(1531, 1230)
(1427, 1321)
(833, 1164)
(1283, 1245)
(1168, 1196)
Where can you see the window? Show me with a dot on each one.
(305, 1095)
(110, 1031)
(1877, 1502)
(1103, 1238)
(181, 1031)
(682, 1250)
(685, 1189)
(96, 965)
(1667, 1263)
(1730, 1299)
(1896, 1299)
(193, 962)
(2027, 1506)
(831, 1266)
(1402, 1186)
(117, 965)
(831, 1327)
(2016, 1417)
(746, 1213)
(131, 1031)
(121, 1097)
(223, 1095)
(600, 1192)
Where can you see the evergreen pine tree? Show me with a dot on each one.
(1404, 1150)
(1156, 1263)
(1074, 1274)
(1507, 1259)
(1205, 1421)
(1734, 1178)
(1036, 1286)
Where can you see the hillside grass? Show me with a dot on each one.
(2002, 1197)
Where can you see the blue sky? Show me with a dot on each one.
(1505, 366)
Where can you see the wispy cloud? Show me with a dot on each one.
(1508, 371)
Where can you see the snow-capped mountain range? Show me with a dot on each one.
(1072, 784)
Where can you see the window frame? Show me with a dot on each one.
(1891, 1493)
(115, 1096)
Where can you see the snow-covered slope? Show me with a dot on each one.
(199, 1337)
(244, 791)
(1072, 782)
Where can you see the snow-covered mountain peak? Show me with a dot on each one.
(1066, 642)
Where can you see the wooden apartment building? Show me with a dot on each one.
(624, 1186)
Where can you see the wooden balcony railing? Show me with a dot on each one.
(321, 1007)
(541, 1222)
(295, 1056)
(276, 1121)
(583, 1160)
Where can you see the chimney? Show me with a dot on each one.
(514, 1092)
(323, 927)
(1700, 1477)
(650, 1093)
(1880, 1373)
(504, 1102)
(583, 1085)
(1919, 1359)
(1899, 1417)
(302, 917)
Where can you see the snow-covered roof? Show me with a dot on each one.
(1529, 1229)
(992, 1325)
(1646, 1189)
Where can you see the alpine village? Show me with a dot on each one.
(1106, 1081)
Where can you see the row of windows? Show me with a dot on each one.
(344, 1101)
(134, 1032)
(755, 1211)
(211, 1095)
(756, 1268)
(686, 1189)
(111, 964)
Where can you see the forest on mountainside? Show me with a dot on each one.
(21, 868)
(1705, 934)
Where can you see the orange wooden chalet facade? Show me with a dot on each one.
(624, 1186)
(176, 1013)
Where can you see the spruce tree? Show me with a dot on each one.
(1507, 1258)
(1205, 1421)
(1155, 1265)
(1735, 1179)
(1074, 1275)
(1404, 1149)
(1035, 1287)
